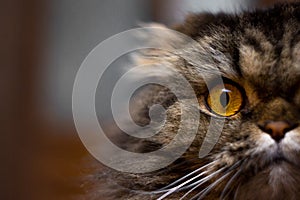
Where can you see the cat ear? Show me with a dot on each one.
(152, 25)
(161, 35)
(160, 44)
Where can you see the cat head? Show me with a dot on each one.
(257, 155)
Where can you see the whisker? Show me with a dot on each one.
(200, 182)
(236, 191)
(176, 188)
(231, 180)
(228, 171)
(172, 190)
(207, 190)
(204, 192)
(188, 175)
(224, 192)
(180, 187)
(167, 188)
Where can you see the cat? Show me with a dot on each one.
(258, 153)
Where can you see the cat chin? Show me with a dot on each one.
(277, 181)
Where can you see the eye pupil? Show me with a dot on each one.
(224, 99)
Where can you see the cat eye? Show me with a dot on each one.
(224, 99)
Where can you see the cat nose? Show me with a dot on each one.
(277, 129)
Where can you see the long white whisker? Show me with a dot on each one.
(231, 180)
(213, 174)
(176, 188)
(204, 192)
(200, 182)
(167, 189)
(170, 191)
(229, 183)
(188, 175)
(207, 190)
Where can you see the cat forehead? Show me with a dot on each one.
(262, 47)
(270, 64)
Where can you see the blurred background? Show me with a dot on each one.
(43, 44)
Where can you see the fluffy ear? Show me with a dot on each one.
(162, 35)
(167, 42)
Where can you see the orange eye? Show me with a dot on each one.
(224, 100)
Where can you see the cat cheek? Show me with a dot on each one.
(291, 146)
(291, 141)
(265, 144)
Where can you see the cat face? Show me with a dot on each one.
(264, 134)
(258, 153)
